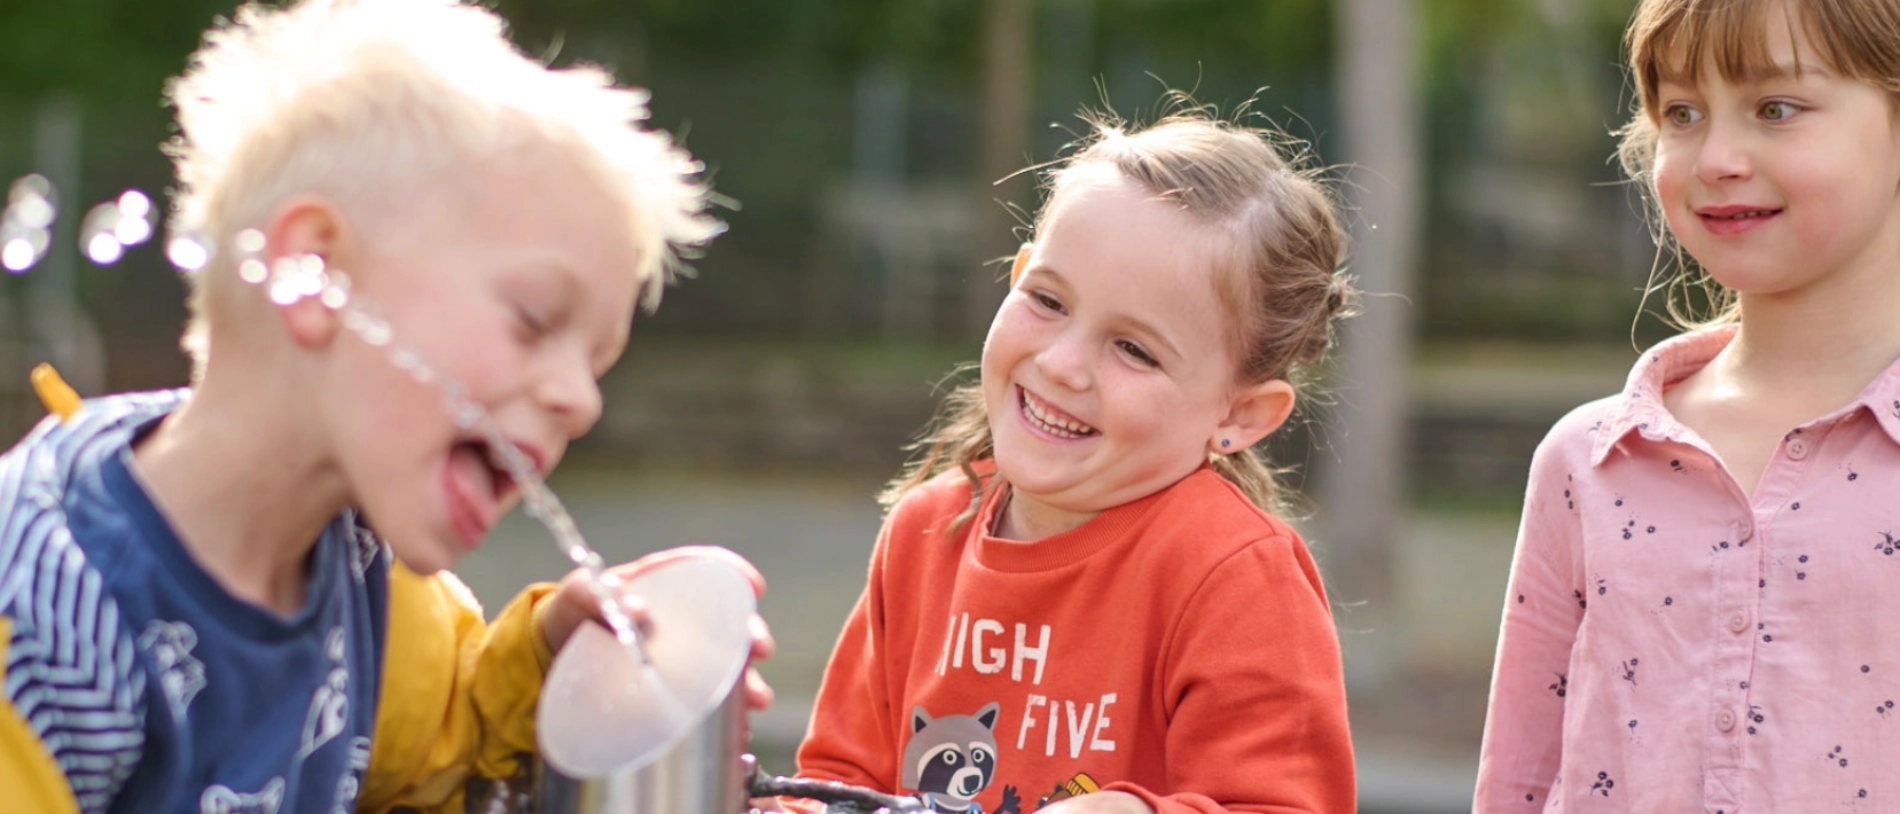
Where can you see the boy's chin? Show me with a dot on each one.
(425, 557)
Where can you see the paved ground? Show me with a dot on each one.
(811, 536)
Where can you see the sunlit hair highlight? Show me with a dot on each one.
(1279, 276)
(371, 103)
(1677, 40)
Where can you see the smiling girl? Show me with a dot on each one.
(1701, 606)
(1080, 598)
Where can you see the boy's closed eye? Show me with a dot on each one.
(534, 326)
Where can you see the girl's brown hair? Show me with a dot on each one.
(1675, 40)
(1281, 279)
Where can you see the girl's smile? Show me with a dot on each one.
(1740, 219)
(1047, 419)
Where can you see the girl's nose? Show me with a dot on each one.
(1724, 154)
(1067, 361)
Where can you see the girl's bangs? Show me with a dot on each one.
(1677, 41)
(1731, 35)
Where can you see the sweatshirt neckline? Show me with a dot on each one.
(1107, 530)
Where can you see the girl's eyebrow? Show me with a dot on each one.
(1788, 71)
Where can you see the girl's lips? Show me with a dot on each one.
(1727, 221)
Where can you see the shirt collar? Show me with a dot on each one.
(1640, 407)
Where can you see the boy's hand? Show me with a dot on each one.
(575, 603)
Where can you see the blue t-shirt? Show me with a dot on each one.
(253, 712)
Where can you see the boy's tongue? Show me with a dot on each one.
(471, 492)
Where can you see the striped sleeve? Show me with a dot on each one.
(71, 670)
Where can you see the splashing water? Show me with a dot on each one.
(26, 225)
(114, 226)
(290, 280)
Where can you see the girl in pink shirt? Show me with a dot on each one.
(1703, 604)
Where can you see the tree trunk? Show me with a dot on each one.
(1362, 489)
(1008, 74)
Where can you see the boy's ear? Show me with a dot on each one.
(305, 226)
(1022, 262)
(1257, 411)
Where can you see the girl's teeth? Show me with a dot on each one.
(1058, 426)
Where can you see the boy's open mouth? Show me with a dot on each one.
(478, 488)
(1046, 417)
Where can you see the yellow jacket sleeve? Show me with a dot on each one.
(458, 696)
(33, 781)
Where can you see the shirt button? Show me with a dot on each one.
(1798, 448)
(1737, 623)
(1741, 529)
(1725, 720)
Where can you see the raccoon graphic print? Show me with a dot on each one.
(1178, 648)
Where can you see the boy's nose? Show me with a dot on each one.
(574, 397)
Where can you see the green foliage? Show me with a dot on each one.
(107, 51)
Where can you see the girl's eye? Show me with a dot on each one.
(1681, 115)
(1047, 301)
(1135, 351)
(1778, 111)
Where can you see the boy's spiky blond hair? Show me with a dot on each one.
(369, 102)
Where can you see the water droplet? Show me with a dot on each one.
(250, 241)
(132, 231)
(283, 291)
(18, 255)
(104, 249)
(310, 285)
(134, 204)
(467, 416)
(187, 254)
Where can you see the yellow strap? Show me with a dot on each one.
(33, 781)
(59, 397)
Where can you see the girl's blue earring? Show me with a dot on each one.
(1224, 443)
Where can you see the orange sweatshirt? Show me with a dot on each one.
(1178, 648)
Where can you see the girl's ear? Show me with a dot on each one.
(1022, 262)
(1256, 412)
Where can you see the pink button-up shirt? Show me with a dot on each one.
(1671, 645)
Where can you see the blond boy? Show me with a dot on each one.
(231, 598)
